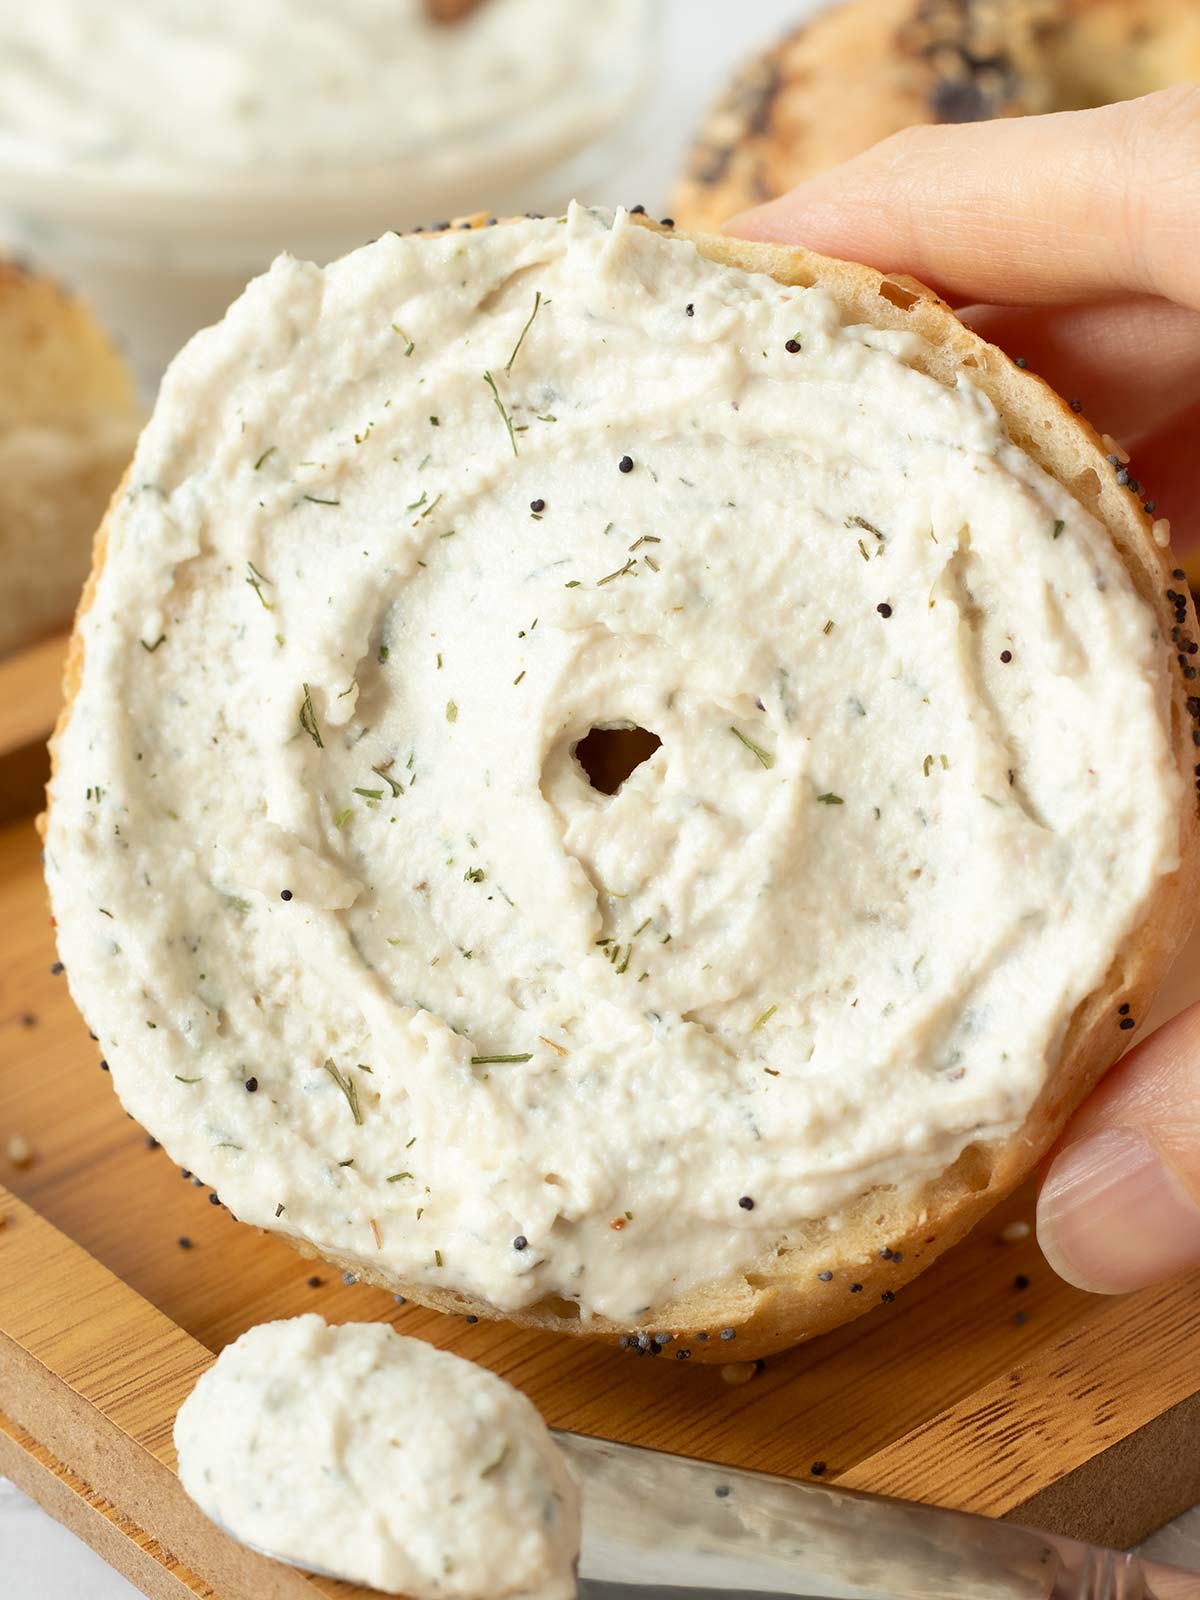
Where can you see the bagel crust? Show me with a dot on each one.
(808, 1275)
(862, 70)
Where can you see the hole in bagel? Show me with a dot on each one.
(609, 755)
(903, 299)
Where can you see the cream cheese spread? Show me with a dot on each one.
(153, 86)
(382, 1461)
(362, 944)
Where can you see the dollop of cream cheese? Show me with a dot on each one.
(153, 87)
(400, 533)
(382, 1461)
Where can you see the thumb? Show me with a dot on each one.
(1120, 1205)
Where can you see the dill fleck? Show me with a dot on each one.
(643, 927)
(391, 782)
(624, 967)
(266, 455)
(537, 301)
(342, 817)
(398, 1177)
(765, 1018)
(431, 507)
(756, 750)
(316, 500)
(178, 1079)
(512, 438)
(396, 328)
(451, 708)
(348, 1087)
(256, 581)
(828, 628)
(151, 648)
(862, 550)
(437, 1258)
(830, 799)
(495, 1061)
(279, 1210)
(1059, 525)
(619, 573)
(518, 677)
(308, 719)
(370, 794)
(473, 875)
(868, 527)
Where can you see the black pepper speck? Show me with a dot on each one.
(520, 1242)
(251, 1085)
(625, 464)
(285, 894)
(1006, 656)
(884, 609)
(746, 1203)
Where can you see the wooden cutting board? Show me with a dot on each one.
(987, 1385)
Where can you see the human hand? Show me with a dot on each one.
(1072, 241)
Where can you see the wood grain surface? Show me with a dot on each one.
(988, 1385)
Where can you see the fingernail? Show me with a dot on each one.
(1113, 1217)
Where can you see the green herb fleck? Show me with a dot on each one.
(451, 711)
(266, 455)
(391, 782)
(316, 500)
(1059, 525)
(619, 573)
(256, 581)
(765, 1018)
(473, 875)
(308, 719)
(756, 750)
(494, 1061)
(370, 794)
(398, 1177)
(830, 799)
(178, 1079)
(151, 648)
(348, 1087)
(396, 328)
(491, 383)
(537, 301)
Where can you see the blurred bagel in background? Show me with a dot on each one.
(864, 69)
(69, 419)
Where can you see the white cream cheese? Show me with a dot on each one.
(383, 1461)
(162, 86)
(317, 824)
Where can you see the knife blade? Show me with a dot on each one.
(677, 1529)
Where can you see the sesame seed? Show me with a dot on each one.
(1177, 573)
(702, 1337)
(1123, 1011)
(184, 1173)
(887, 1296)
(689, 311)
(537, 505)
(285, 894)
(856, 1288)
(1123, 477)
(637, 211)
(1022, 363)
(817, 1469)
(746, 1203)
(520, 1242)
(722, 1491)
(1006, 656)
(471, 1317)
(1126, 1023)
(399, 1299)
(826, 1276)
(184, 1242)
(683, 1355)
(1020, 1318)
(56, 969)
(668, 222)
(625, 464)
(884, 609)
(214, 1199)
(104, 1066)
(251, 1085)
(885, 1254)
(314, 1283)
(1020, 1281)
(151, 1142)
(663, 1338)
(1076, 406)
(728, 1333)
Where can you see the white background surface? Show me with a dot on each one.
(39, 1560)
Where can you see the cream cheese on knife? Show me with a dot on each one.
(382, 1461)
(361, 943)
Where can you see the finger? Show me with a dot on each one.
(1132, 364)
(1120, 1206)
(1053, 209)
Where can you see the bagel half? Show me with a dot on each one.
(829, 1270)
(861, 70)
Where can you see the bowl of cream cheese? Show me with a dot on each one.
(161, 154)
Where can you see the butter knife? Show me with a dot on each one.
(665, 1526)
